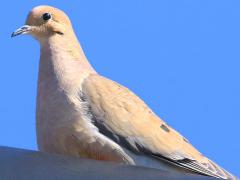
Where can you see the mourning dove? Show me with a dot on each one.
(82, 113)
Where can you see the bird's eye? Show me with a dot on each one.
(46, 16)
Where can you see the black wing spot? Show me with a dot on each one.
(165, 128)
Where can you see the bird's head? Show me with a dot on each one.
(45, 21)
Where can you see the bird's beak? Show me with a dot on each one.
(22, 30)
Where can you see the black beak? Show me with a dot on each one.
(22, 30)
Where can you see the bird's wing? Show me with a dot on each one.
(124, 118)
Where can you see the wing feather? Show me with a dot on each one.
(123, 117)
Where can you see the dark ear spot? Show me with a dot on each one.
(165, 128)
(58, 32)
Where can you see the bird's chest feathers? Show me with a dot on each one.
(60, 79)
(60, 107)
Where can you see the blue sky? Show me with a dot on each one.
(181, 57)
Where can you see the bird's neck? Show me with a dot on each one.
(63, 62)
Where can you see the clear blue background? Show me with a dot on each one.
(181, 57)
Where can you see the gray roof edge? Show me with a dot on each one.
(20, 164)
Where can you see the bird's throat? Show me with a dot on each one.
(63, 62)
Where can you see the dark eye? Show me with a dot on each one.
(46, 16)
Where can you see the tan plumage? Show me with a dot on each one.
(126, 115)
(81, 113)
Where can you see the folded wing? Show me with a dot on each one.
(124, 118)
